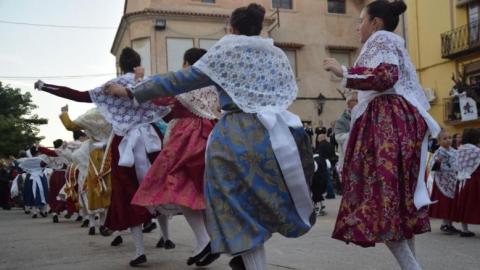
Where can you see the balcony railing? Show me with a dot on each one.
(461, 41)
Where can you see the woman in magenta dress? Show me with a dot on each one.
(177, 175)
(135, 144)
(385, 159)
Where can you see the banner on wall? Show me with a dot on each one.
(468, 108)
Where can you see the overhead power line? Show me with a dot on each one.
(57, 77)
(60, 26)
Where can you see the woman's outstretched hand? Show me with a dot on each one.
(116, 90)
(332, 65)
(139, 73)
(38, 85)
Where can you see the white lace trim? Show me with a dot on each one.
(203, 102)
(255, 74)
(468, 161)
(94, 124)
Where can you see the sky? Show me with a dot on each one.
(42, 52)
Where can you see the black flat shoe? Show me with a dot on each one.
(67, 216)
(160, 243)
(454, 230)
(208, 260)
(149, 227)
(43, 214)
(169, 244)
(139, 260)
(206, 250)
(55, 219)
(467, 234)
(91, 231)
(79, 218)
(34, 216)
(237, 263)
(85, 223)
(104, 231)
(116, 241)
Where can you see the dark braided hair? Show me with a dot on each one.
(389, 12)
(248, 20)
(129, 59)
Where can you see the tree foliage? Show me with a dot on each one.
(18, 126)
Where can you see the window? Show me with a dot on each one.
(292, 58)
(283, 4)
(142, 47)
(343, 57)
(336, 6)
(176, 47)
(473, 28)
(208, 1)
(207, 43)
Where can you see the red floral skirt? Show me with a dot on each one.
(177, 175)
(380, 173)
(467, 201)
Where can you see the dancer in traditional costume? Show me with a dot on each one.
(443, 166)
(98, 180)
(135, 145)
(35, 189)
(258, 156)
(385, 159)
(59, 164)
(467, 210)
(177, 175)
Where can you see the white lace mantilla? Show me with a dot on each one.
(255, 74)
(468, 161)
(203, 102)
(121, 112)
(387, 47)
(95, 125)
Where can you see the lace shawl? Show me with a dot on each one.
(203, 102)
(387, 47)
(255, 74)
(468, 161)
(95, 125)
(121, 112)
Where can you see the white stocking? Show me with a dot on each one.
(195, 219)
(404, 255)
(163, 222)
(411, 245)
(255, 259)
(91, 221)
(137, 236)
(102, 216)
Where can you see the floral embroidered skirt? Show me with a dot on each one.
(246, 196)
(380, 173)
(177, 174)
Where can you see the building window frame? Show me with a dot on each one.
(290, 4)
(167, 49)
(342, 10)
(148, 68)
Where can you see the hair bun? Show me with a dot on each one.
(256, 10)
(398, 7)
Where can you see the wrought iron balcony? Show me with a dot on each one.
(461, 41)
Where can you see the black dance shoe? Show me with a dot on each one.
(139, 260)
(149, 227)
(237, 263)
(208, 260)
(116, 241)
(55, 219)
(67, 216)
(91, 231)
(467, 234)
(79, 218)
(43, 214)
(160, 243)
(169, 244)
(104, 231)
(206, 250)
(34, 216)
(85, 223)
